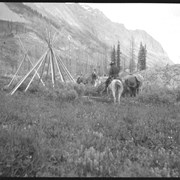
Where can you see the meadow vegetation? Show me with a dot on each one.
(58, 133)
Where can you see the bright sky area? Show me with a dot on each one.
(161, 21)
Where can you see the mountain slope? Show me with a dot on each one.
(85, 36)
(94, 21)
(7, 14)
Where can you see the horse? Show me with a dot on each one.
(116, 86)
(100, 84)
(100, 80)
(86, 80)
(131, 85)
(79, 80)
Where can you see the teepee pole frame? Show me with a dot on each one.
(51, 58)
(35, 74)
(25, 77)
(30, 59)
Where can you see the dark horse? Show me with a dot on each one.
(88, 80)
(131, 85)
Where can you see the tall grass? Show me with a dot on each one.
(45, 134)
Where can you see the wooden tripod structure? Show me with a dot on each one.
(53, 62)
(25, 57)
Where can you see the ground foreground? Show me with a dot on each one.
(43, 136)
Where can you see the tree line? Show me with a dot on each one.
(141, 63)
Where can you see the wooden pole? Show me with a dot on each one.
(43, 67)
(17, 71)
(34, 74)
(62, 79)
(52, 70)
(23, 79)
(48, 66)
(66, 70)
(53, 65)
(62, 67)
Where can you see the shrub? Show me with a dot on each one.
(90, 90)
(177, 93)
(79, 89)
(64, 94)
(158, 95)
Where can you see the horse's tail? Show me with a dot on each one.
(119, 84)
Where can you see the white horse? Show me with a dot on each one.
(116, 87)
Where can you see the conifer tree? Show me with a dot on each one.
(142, 57)
(113, 55)
(118, 56)
(132, 64)
(143, 66)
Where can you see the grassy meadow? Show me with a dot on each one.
(46, 133)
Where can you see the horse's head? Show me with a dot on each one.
(79, 80)
(139, 78)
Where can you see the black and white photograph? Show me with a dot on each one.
(89, 89)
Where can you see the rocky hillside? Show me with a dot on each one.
(85, 37)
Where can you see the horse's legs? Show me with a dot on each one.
(119, 95)
(120, 91)
(134, 92)
(114, 94)
(130, 92)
